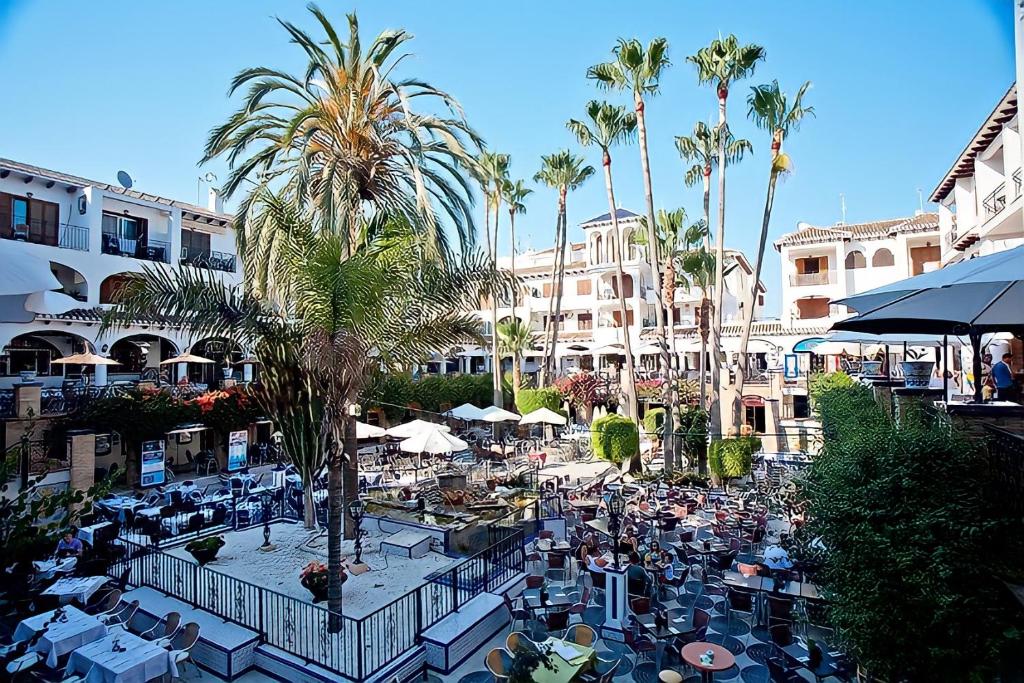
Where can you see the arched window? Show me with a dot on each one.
(610, 249)
(111, 287)
(882, 258)
(855, 259)
(627, 289)
(598, 250)
(627, 241)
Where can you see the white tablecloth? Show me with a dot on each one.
(47, 569)
(87, 533)
(79, 588)
(61, 637)
(140, 662)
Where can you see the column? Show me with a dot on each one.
(616, 606)
(81, 447)
(247, 372)
(28, 399)
(183, 371)
(101, 375)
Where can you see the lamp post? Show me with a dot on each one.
(356, 511)
(267, 500)
(616, 507)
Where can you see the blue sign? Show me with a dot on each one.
(152, 473)
(238, 449)
(791, 366)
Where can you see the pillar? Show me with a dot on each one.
(81, 447)
(28, 399)
(101, 375)
(616, 604)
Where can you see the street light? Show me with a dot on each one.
(356, 511)
(266, 499)
(616, 507)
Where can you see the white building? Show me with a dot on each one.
(591, 327)
(825, 263)
(979, 197)
(94, 237)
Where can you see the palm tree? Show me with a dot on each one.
(772, 111)
(609, 125)
(492, 175)
(514, 339)
(514, 193)
(720, 64)
(563, 171)
(342, 135)
(701, 148)
(639, 70)
(386, 306)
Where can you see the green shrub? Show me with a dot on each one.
(732, 458)
(615, 438)
(654, 422)
(823, 382)
(693, 425)
(530, 400)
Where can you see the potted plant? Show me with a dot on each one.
(917, 373)
(314, 579)
(204, 550)
(871, 368)
(525, 661)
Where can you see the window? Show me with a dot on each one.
(122, 234)
(30, 220)
(882, 258)
(627, 289)
(583, 287)
(110, 287)
(812, 307)
(812, 264)
(617, 317)
(923, 256)
(194, 242)
(547, 289)
(585, 321)
(598, 250)
(855, 259)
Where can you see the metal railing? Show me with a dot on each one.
(205, 258)
(825, 277)
(1006, 458)
(995, 201)
(143, 248)
(40, 231)
(1016, 182)
(74, 237)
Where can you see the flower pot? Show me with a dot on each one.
(204, 555)
(319, 594)
(917, 374)
(871, 367)
(27, 376)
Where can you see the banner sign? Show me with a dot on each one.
(791, 366)
(152, 471)
(238, 448)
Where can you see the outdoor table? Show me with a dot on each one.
(118, 504)
(567, 660)
(70, 632)
(545, 545)
(756, 582)
(87, 534)
(723, 659)
(141, 660)
(798, 654)
(697, 547)
(677, 626)
(554, 600)
(79, 588)
(47, 569)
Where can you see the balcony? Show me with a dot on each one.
(825, 277)
(215, 260)
(49, 233)
(1016, 183)
(995, 201)
(144, 248)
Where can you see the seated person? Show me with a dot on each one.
(69, 545)
(637, 580)
(653, 555)
(668, 572)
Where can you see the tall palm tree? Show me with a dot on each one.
(721, 63)
(514, 339)
(343, 135)
(639, 71)
(514, 193)
(771, 110)
(609, 125)
(701, 148)
(389, 305)
(563, 171)
(492, 175)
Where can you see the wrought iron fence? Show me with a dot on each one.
(995, 201)
(1006, 457)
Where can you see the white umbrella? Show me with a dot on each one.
(87, 358)
(433, 441)
(610, 350)
(24, 273)
(368, 431)
(496, 414)
(410, 429)
(835, 348)
(543, 416)
(467, 412)
(185, 358)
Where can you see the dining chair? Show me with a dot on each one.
(183, 655)
(108, 605)
(24, 663)
(517, 640)
(499, 663)
(738, 600)
(516, 611)
(122, 617)
(556, 620)
(581, 634)
(165, 628)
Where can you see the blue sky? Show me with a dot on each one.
(899, 87)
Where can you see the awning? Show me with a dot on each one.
(807, 345)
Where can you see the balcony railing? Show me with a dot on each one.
(825, 277)
(39, 231)
(213, 260)
(995, 201)
(1016, 183)
(144, 248)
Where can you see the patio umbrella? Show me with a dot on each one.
(433, 441)
(410, 429)
(185, 358)
(496, 414)
(87, 358)
(543, 416)
(369, 431)
(467, 412)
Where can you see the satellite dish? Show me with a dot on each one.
(124, 179)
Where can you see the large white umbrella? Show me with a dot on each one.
(87, 358)
(433, 441)
(368, 431)
(467, 412)
(496, 414)
(410, 429)
(24, 273)
(185, 358)
(543, 416)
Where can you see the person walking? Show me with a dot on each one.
(1002, 375)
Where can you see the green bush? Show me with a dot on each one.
(654, 422)
(393, 392)
(693, 425)
(823, 382)
(614, 438)
(530, 400)
(919, 541)
(732, 458)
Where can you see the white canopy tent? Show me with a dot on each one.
(543, 416)
(467, 412)
(496, 414)
(433, 441)
(369, 431)
(411, 429)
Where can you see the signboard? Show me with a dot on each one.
(791, 366)
(238, 448)
(152, 471)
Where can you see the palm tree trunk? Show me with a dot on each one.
(512, 243)
(630, 388)
(560, 257)
(715, 414)
(497, 397)
(751, 295)
(335, 515)
(704, 294)
(517, 375)
(652, 258)
(350, 471)
(548, 351)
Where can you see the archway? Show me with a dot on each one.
(72, 282)
(140, 354)
(223, 352)
(112, 285)
(33, 353)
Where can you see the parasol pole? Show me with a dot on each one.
(945, 368)
(976, 346)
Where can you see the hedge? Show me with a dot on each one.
(393, 392)
(614, 438)
(654, 422)
(530, 400)
(732, 458)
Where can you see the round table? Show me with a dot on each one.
(722, 661)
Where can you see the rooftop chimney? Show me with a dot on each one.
(214, 202)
